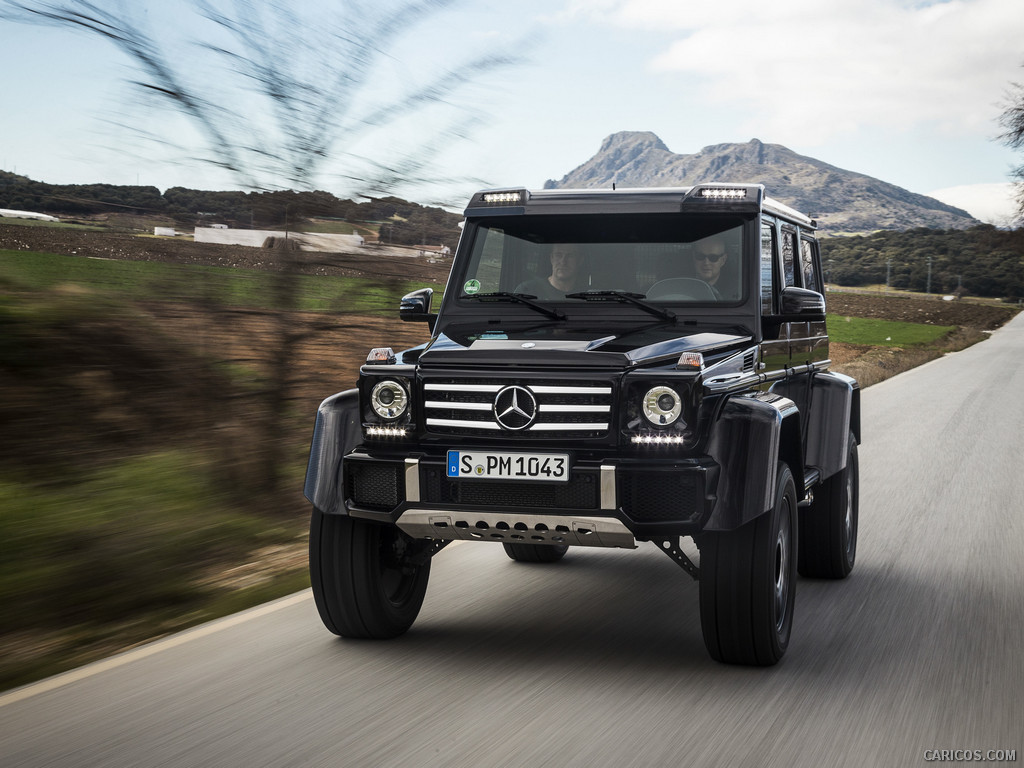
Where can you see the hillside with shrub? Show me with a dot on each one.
(399, 221)
(980, 261)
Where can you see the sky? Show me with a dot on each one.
(908, 91)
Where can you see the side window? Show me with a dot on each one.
(807, 263)
(767, 260)
(789, 256)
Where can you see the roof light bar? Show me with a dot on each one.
(723, 193)
(503, 198)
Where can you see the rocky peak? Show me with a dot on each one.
(843, 201)
(632, 141)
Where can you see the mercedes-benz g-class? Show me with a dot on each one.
(607, 367)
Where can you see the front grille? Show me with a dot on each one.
(374, 486)
(564, 409)
(579, 492)
(658, 496)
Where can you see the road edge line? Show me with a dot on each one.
(150, 649)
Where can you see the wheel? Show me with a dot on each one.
(363, 582)
(536, 553)
(828, 528)
(748, 583)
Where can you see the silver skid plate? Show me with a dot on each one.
(516, 529)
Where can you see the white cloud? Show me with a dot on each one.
(939, 66)
(992, 203)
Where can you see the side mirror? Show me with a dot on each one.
(415, 307)
(802, 303)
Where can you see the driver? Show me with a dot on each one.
(566, 274)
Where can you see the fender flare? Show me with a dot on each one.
(751, 435)
(338, 430)
(829, 404)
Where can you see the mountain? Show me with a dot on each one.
(841, 201)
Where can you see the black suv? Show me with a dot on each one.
(607, 367)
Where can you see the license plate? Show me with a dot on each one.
(490, 465)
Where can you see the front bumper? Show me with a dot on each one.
(605, 502)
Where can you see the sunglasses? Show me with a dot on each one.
(715, 257)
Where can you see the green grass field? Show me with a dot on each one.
(883, 333)
(54, 224)
(147, 280)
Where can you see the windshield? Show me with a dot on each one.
(663, 258)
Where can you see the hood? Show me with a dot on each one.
(616, 351)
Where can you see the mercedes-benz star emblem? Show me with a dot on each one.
(515, 408)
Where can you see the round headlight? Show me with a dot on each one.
(662, 406)
(389, 399)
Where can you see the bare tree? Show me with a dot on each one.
(281, 91)
(1012, 120)
(279, 95)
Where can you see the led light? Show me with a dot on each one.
(389, 399)
(658, 439)
(386, 431)
(694, 360)
(502, 197)
(662, 406)
(381, 356)
(718, 193)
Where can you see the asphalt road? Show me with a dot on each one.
(598, 660)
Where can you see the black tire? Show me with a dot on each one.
(536, 553)
(828, 528)
(363, 583)
(748, 583)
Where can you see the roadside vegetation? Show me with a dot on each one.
(132, 500)
(109, 556)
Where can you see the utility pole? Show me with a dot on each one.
(888, 272)
(928, 289)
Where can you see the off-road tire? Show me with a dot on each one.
(828, 528)
(364, 584)
(536, 553)
(748, 583)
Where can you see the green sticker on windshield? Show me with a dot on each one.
(471, 286)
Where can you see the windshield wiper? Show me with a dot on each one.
(624, 297)
(521, 298)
